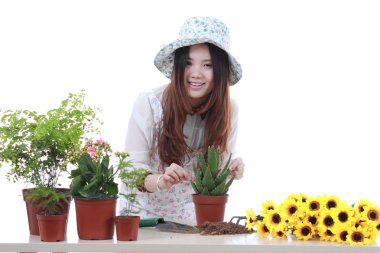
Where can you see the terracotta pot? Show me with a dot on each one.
(52, 228)
(127, 227)
(209, 208)
(95, 218)
(32, 209)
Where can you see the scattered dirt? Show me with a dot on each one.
(222, 228)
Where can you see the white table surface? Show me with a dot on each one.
(14, 237)
(150, 240)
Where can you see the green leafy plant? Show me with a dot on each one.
(95, 176)
(210, 178)
(36, 146)
(49, 200)
(132, 179)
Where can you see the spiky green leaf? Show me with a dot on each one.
(218, 190)
(227, 187)
(212, 161)
(202, 163)
(208, 181)
(205, 192)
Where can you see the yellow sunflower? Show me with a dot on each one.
(326, 235)
(326, 221)
(304, 231)
(313, 219)
(331, 202)
(279, 231)
(274, 218)
(251, 219)
(262, 229)
(371, 213)
(341, 234)
(266, 206)
(343, 215)
(290, 209)
(299, 198)
(313, 204)
(359, 206)
(358, 236)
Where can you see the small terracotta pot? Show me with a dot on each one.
(52, 228)
(95, 218)
(32, 209)
(127, 227)
(209, 208)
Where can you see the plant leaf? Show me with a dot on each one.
(219, 190)
(212, 161)
(208, 181)
(227, 186)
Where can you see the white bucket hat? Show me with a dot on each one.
(197, 30)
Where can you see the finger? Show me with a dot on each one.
(169, 178)
(180, 172)
(174, 176)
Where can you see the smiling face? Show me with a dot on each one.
(198, 74)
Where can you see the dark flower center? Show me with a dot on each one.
(361, 209)
(357, 237)
(331, 204)
(280, 233)
(343, 216)
(312, 220)
(304, 199)
(266, 229)
(328, 232)
(328, 221)
(314, 206)
(305, 231)
(250, 220)
(378, 227)
(292, 210)
(343, 236)
(373, 215)
(276, 218)
(270, 208)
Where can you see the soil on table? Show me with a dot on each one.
(222, 228)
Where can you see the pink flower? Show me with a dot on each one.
(91, 150)
(92, 154)
(100, 141)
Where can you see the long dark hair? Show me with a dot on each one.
(172, 146)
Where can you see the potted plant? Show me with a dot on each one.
(95, 191)
(37, 146)
(52, 216)
(211, 185)
(127, 225)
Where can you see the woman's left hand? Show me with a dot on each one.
(237, 168)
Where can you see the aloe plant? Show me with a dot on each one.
(210, 178)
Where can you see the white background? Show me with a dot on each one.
(309, 96)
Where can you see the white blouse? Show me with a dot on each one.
(176, 203)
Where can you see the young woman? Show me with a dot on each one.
(172, 123)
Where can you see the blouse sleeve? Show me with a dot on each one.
(139, 138)
(231, 143)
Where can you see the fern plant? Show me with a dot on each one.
(132, 179)
(50, 201)
(37, 146)
(210, 178)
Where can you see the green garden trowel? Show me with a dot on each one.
(168, 226)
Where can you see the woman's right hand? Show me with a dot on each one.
(174, 174)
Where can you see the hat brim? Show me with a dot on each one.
(164, 59)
